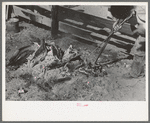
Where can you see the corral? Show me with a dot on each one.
(78, 27)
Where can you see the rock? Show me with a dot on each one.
(103, 70)
(109, 65)
(68, 74)
(124, 64)
(104, 73)
(63, 73)
(127, 66)
(118, 64)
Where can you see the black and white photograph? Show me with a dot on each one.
(75, 52)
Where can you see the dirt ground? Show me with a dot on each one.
(110, 87)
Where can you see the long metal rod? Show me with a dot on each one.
(104, 45)
(110, 35)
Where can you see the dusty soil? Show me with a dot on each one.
(110, 87)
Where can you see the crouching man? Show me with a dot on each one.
(138, 27)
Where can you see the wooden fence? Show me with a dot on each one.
(83, 25)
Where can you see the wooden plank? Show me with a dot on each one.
(91, 36)
(32, 16)
(46, 7)
(90, 19)
(47, 21)
(84, 34)
(67, 28)
(104, 31)
(36, 9)
(31, 7)
(98, 11)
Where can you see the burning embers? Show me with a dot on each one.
(50, 62)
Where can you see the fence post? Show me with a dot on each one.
(9, 10)
(54, 23)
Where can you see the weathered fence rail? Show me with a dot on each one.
(85, 26)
